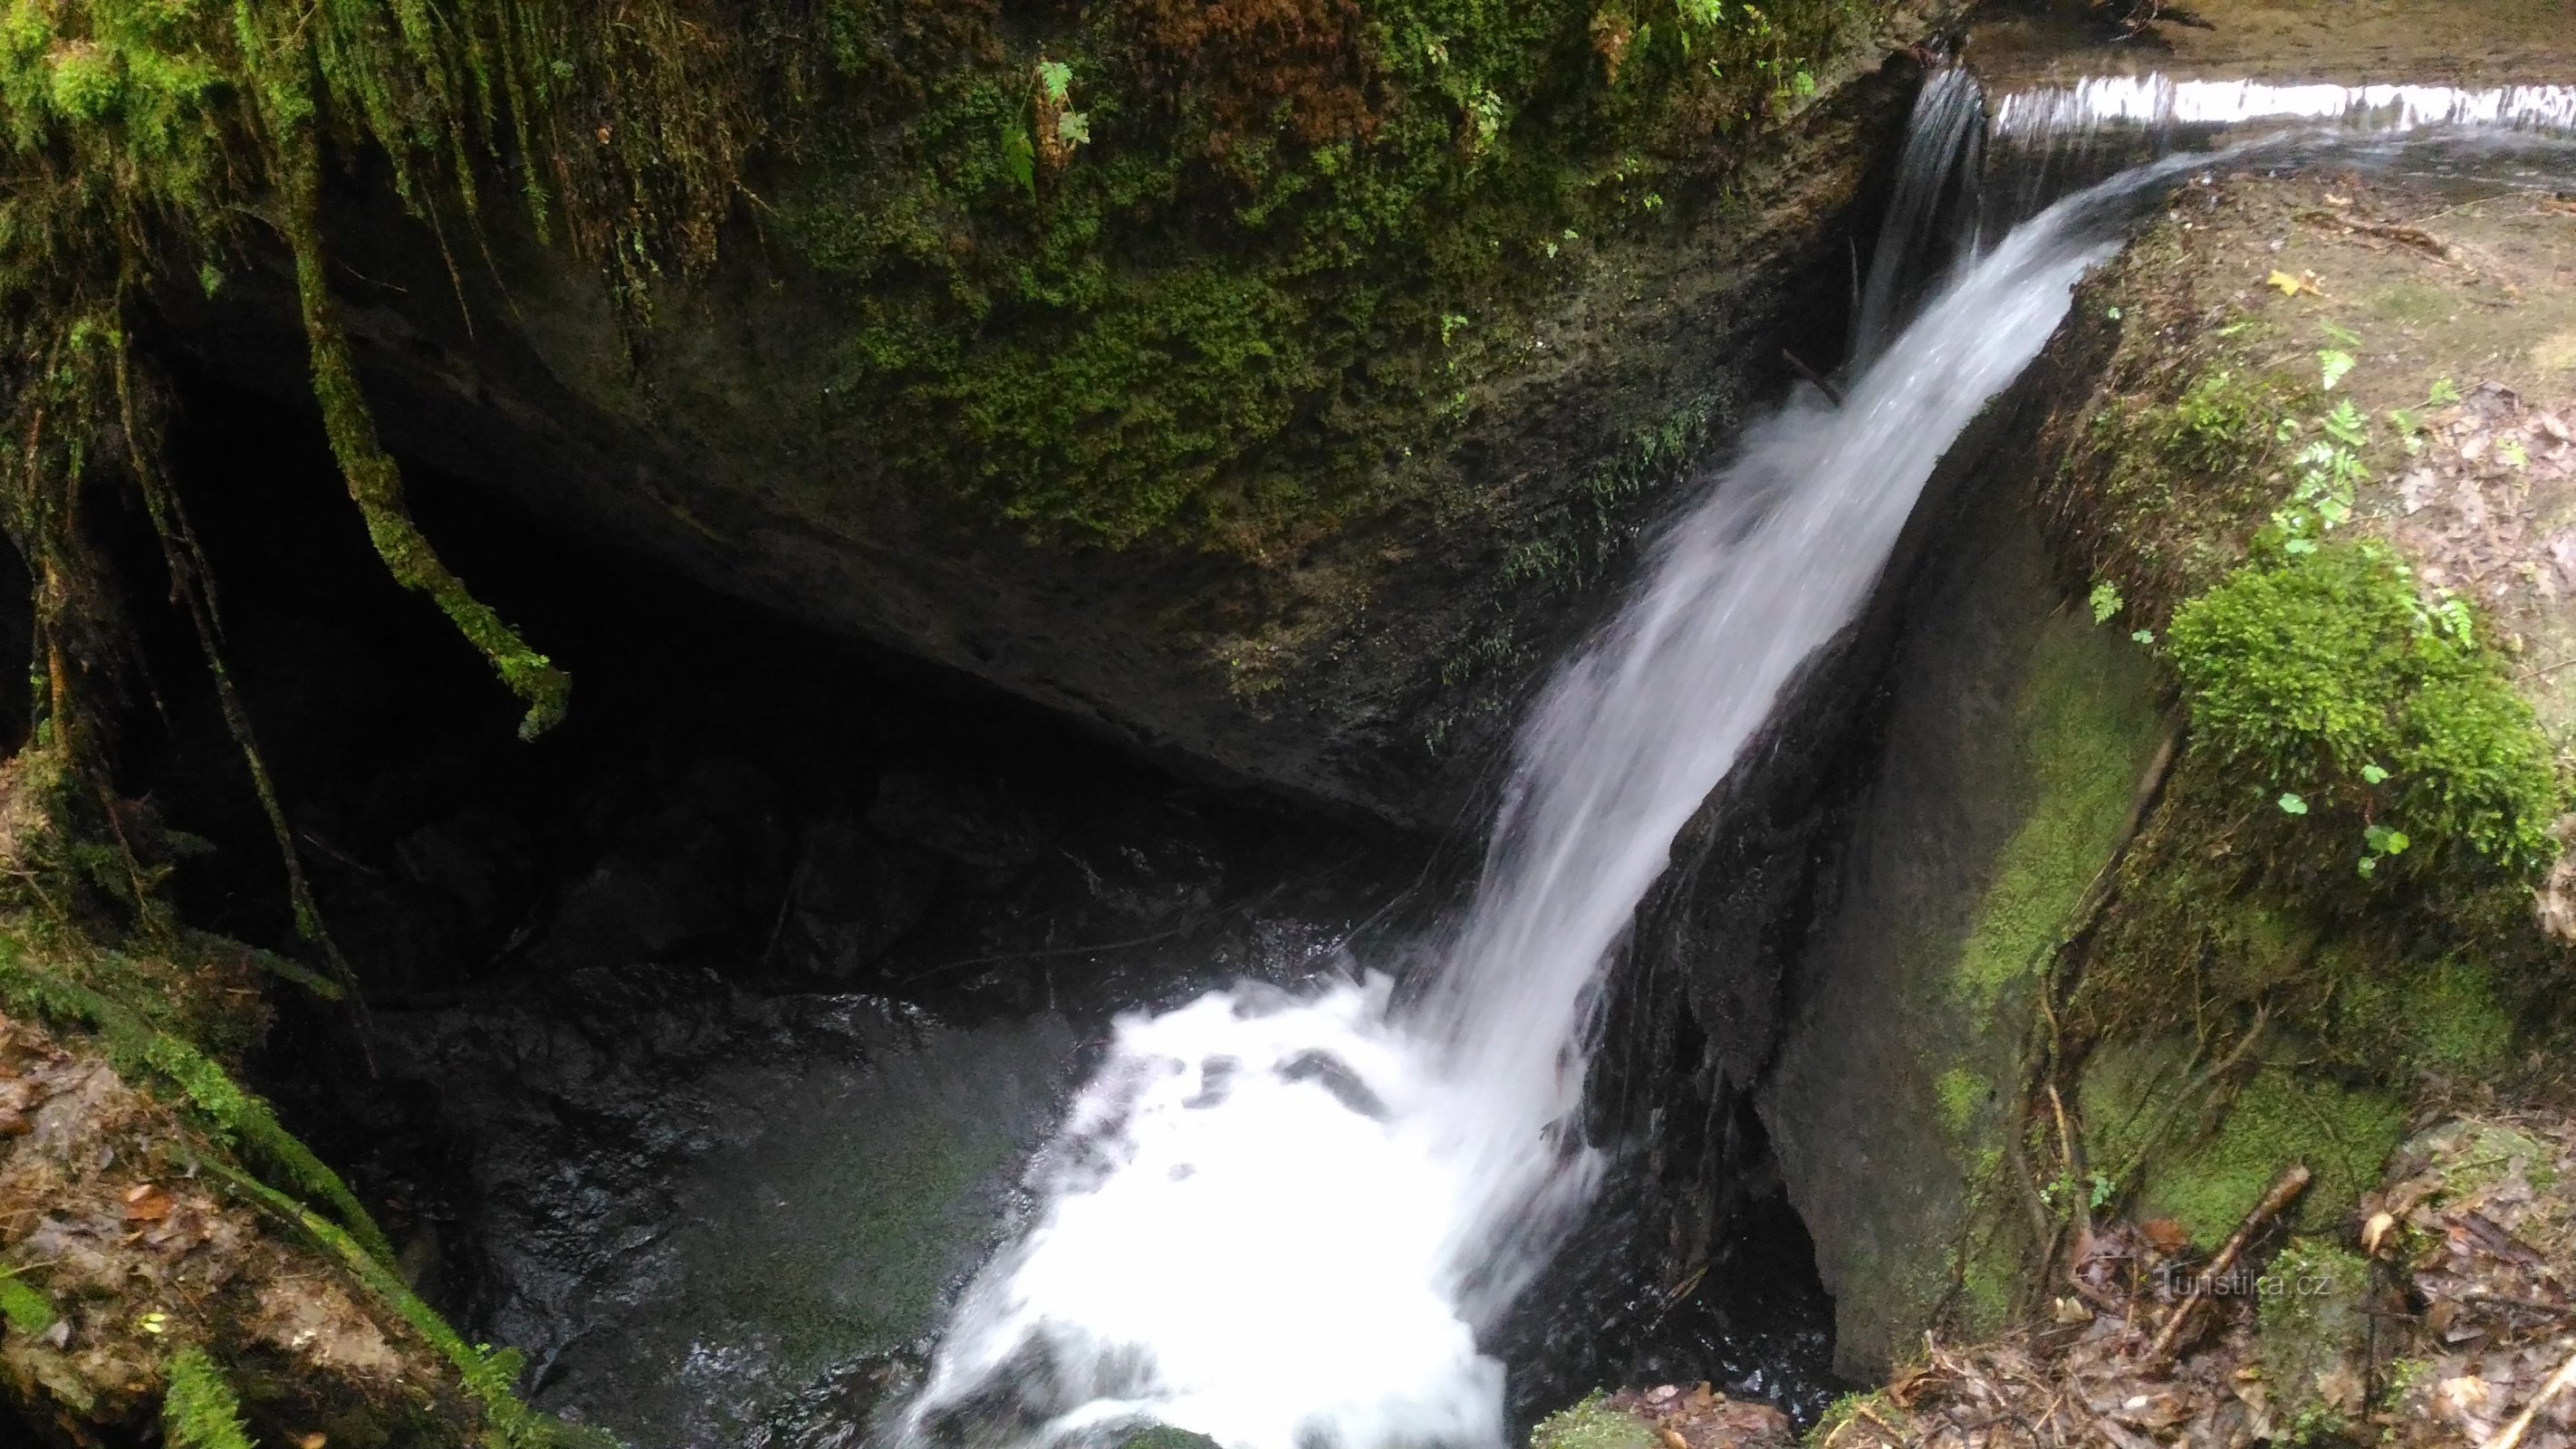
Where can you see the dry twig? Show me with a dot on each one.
(2283, 1193)
(2559, 1383)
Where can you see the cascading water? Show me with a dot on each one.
(1281, 1221)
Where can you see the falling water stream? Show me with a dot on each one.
(1280, 1220)
(1283, 1220)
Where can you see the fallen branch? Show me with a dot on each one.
(2559, 1383)
(2283, 1193)
(1799, 365)
(2413, 236)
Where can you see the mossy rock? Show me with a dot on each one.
(2205, 1161)
(2313, 1328)
(1593, 1424)
(1165, 1436)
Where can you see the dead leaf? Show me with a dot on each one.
(2168, 1236)
(2376, 1232)
(2290, 286)
(146, 1204)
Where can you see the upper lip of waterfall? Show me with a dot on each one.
(2156, 100)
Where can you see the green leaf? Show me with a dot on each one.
(2105, 601)
(1073, 128)
(1020, 158)
(2144, 636)
(2348, 424)
(2444, 392)
(2292, 805)
(1056, 79)
(2372, 774)
(2334, 364)
(2113, 314)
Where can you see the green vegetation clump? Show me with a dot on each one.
(2330, 678)
(23, 1307)
(199, 1409)
(1284, 248)
(1593, 1424)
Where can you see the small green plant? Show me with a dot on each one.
(2334, 365)
(2330, 477)
(2442, 393)
(2093, 1190)
(2105, 600)
(2379, 841)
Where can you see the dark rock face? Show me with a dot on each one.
(1373, 666)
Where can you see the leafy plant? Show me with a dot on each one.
(2105, 601)
(2334, 365)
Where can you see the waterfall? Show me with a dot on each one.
(1281, 1220)
(1938, 178)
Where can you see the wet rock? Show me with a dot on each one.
(853, 895)
(479, 861)
(699, 872)
(709, 1215)
(972, 826)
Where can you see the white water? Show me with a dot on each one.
(1281, 1221)
(2158, 102)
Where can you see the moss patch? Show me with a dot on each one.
(2329, 676)
(1593, 1424)
(2083, 740)
(2344, 1134)
(2313, 1321)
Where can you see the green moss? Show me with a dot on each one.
(22, 1307)
(199, 1409)
(2443, 1017)
(1164, 1436)
(1844, 1409)
(1961, 1093)
(2475, 1155)
(2328, 676)
(1593, 1424)
(139, 1051)
(2083, 740)
(2342, 1133)
(1990, 1280)
(2170, 485)
(2313, 1321)
(1202, 330)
